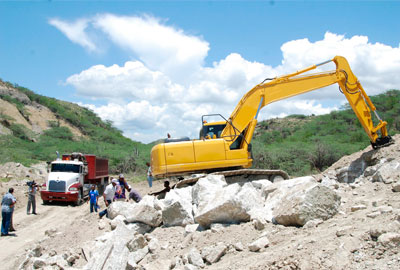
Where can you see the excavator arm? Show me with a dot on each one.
(245, 114)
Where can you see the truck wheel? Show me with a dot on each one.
(45, 202)
(79, 200)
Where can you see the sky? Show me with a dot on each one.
(155, 67)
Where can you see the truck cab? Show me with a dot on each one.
(70, 178)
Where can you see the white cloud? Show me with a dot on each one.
(131, 81)
(159, 46)
(75, 31)
(168, 88)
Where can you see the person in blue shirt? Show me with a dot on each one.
(7, 205)
(93, 196)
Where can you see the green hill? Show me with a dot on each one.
(302, 145)
(67, 127)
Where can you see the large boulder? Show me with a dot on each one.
(110, 249)
(145, 212)
(387, 173)
(178, 210)
(230, 204)
(120, 208)
(205, 189)
(301, 205)
(277, 191)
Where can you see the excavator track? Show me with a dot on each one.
(239, 176)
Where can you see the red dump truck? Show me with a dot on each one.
(70, 178)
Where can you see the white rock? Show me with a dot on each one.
(358, 207)
(369, 171)
(116, 252)
(261, 184)
(145, 212)
(131, 264)
(102, 224)
(298, 206)
(396, 187)
(205, 189)
(138, 242)
(38, 263)
(313, 223)
(259, 244)
(387, 173)
(177, 209)
(117, 221)
(384, 209)
(212, 254)
(373, 214)
(389, 239)
(120, 208)
(278, 190)
(138, 255)
(326, 181)
(230, 204)
(195, 258)
(51, 232)
(37, 250)
(238, 246)
(158, 265)
(153, 245)
(190, 267)
(139, 227)
(217, 227)
(191, 228)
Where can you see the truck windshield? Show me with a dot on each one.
(60, 167)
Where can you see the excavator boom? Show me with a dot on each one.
(231, 148)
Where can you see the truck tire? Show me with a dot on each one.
(80, 198)
(45, 202)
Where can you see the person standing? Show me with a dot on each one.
(7, 203)
(32, 188)
(149, 175)
(93, 198)
(108, 196)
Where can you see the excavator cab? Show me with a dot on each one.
(212, 130)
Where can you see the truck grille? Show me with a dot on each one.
(56, 186)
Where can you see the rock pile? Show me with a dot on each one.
(348, 217)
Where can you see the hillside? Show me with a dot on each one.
(303, 145)
(33, 127)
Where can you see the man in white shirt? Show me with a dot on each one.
(108, 196)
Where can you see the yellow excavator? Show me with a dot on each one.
(225, 145)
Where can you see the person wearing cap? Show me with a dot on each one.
(108, 196)
(120, 188)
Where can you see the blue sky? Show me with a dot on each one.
(223, 46)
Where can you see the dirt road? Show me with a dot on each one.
(31, 229)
